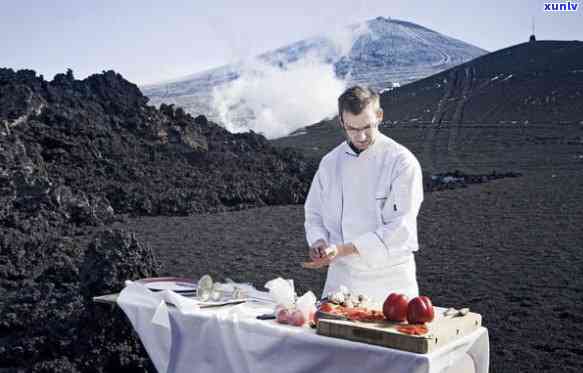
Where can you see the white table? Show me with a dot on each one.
(231, 339)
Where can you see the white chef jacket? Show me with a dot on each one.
(372, 200)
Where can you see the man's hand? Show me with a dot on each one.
(318, 250)
(329, 254)
(316, 263)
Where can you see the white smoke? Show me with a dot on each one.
(343, 38)
(276, 100)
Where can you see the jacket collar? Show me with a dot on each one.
(350, 150)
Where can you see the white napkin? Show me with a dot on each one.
(185, 305)
(138, 294)
(307, 304)
(281, 291)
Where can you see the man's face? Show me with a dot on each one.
(362, 129)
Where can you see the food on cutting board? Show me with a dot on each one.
(454, 312)
(410, 315)
(355, 313)
(413, 329)
(342, 304)
(420, 310)
(395, 307)
(345, 298)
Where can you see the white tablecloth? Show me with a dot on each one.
(231, 339)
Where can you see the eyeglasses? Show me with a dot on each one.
(365, 129)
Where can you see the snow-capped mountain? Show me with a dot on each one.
(381, 53)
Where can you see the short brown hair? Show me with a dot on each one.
(355, 99)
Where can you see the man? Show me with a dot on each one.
(361, 210)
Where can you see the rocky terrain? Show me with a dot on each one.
(75, 156)
(98, 135)
(51, 267)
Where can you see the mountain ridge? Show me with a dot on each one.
(380, 53)
(532, 82)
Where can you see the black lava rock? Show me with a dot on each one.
(112, 258)
(77, 155)
(99, 137)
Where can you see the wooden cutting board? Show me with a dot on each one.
(442, 331)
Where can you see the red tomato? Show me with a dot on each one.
(420, 310)
(395, 307)
(296, 318)
(282, 315)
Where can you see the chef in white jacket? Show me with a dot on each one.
(361, 210)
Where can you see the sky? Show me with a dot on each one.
(153, 41)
